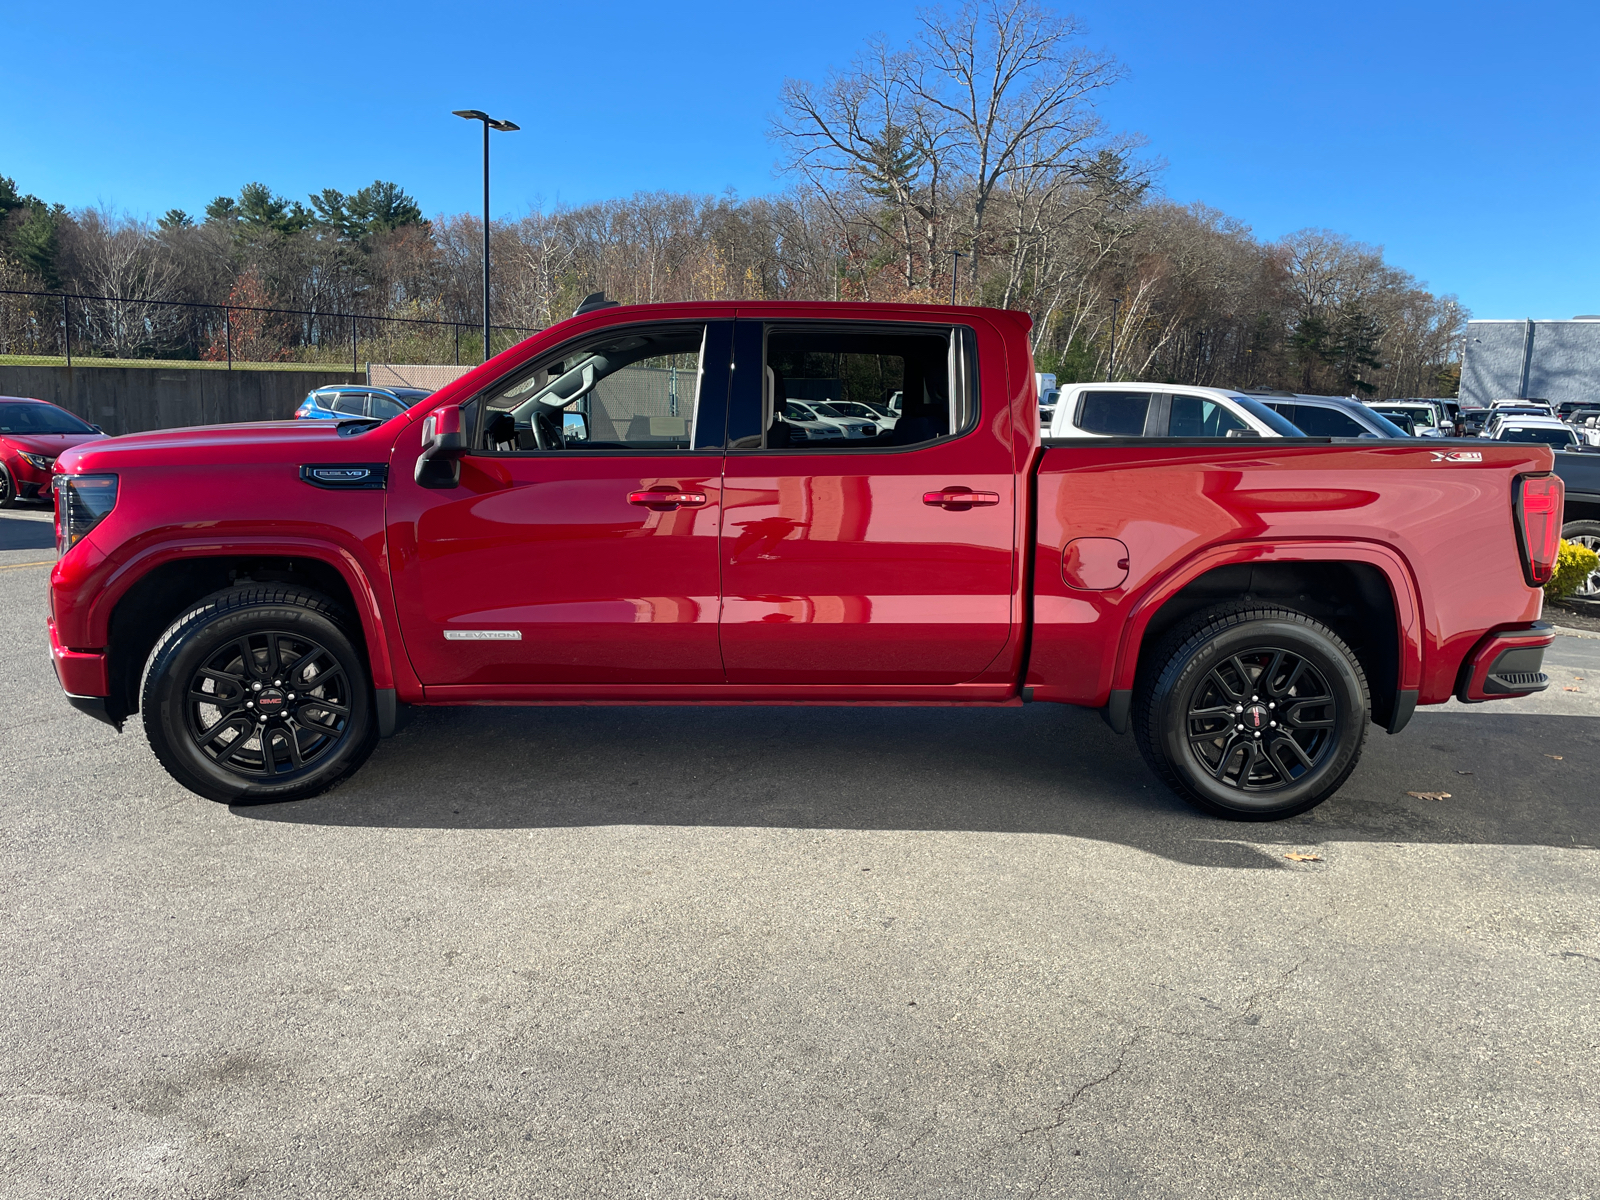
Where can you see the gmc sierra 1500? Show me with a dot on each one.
(617, 511)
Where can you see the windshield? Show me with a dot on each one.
(1277, 422)
(1549, 437)
(39, 418)
(825, 410)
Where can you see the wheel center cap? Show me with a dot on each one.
(271, 701)
(1256, 716)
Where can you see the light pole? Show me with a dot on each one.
(489, 123)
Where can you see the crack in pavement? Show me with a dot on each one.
(1266, 993)
(1064, 1110)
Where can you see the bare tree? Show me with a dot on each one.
(1013, 90)
(118, 257)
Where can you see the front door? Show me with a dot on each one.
(580, 544)
(857, 552)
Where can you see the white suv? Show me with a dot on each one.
(1094, 410)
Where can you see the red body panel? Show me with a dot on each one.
(598, 590)
(803, 577)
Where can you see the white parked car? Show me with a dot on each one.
(1499, 416)
(1542, 405)
(1427, 418)
(1091, 410)
(816, 413)
(876, 413)
(1538, 429)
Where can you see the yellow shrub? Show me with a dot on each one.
(1573, 565)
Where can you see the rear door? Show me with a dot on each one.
(888, 560)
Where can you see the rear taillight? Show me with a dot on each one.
(1538, 507)
(82, 502)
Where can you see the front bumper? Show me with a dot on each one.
(33, 483)
(81, 672)
(1506, 664)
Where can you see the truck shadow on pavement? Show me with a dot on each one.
(22, 529)
(1513, 779)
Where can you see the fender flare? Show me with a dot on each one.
(376, 625)
(1396, 571)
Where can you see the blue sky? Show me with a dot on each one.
(1461, 137)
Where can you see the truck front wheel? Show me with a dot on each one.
(1252, 713)
(258, 694)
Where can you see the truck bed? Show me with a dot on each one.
(1391, 523)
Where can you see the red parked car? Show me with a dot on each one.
(617, 511)
(33, 434)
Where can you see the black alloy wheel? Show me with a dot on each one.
(1252, 713)
(257, 694)
(268, 704)
(8, 488)
(1261, 719)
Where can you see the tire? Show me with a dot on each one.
(1585, 533)
(301, 747)
(1195, 683)
(8, 488)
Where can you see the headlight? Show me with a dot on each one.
(40, 461)
(82, 502)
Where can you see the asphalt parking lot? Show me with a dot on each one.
(765, 952)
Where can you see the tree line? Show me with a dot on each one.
(970, 160)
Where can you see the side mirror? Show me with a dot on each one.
(441, 432)
(97, 429)
(438, 465)
(574, 427)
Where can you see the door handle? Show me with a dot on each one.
(660, 500)
(959, 499)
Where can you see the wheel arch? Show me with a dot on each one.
(140, 604)
(1364, 592)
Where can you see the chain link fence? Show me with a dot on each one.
(70, 328)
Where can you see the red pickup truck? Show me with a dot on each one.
(626, 509)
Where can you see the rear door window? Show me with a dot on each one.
(823, 387)
(1197, 416)
(1113, 414)
(352, 404)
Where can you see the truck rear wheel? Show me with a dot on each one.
(1252, 713)
(258, 694)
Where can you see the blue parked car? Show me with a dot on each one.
(340, 403)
